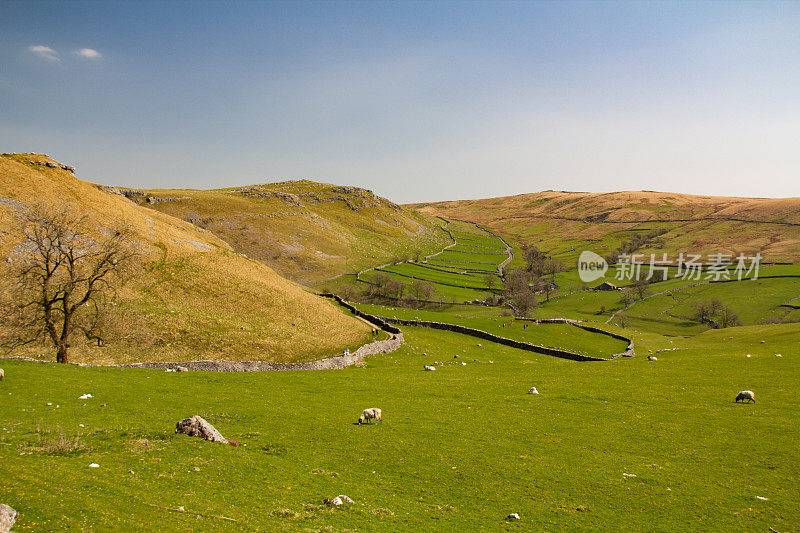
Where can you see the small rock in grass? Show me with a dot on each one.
(7, 517)
(581, 508)
(512, 517)
(339, 500)
(762, 498)
(628, 475)
(778, 355)
(94, 465)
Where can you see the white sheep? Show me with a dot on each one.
(429, 368)
(746, 395)
(373, 413)
(652, 358)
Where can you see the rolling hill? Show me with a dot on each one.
(192, 297)
(305, 231)
(564, 223)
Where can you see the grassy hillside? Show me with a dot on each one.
(305, 231)
(192, 296)
(458, 450)
(565, 223)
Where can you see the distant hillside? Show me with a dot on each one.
(193, 297)
(306, 231)
(566, 222)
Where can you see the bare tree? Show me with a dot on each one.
(422, 290)
(64, 280)
(641, 287)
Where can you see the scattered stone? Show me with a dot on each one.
(339, 500)
(533, 391)
(170, 370)
(7, 518)
(776, 355)
(94, 465)
(581, 508)
(628, 475)
(198, 427)
(762, 498)
(2, 374)
(513, 517)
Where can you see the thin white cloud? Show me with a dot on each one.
(88, 53)
(45, 52)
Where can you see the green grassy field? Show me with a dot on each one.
(458, 450)
(561, 336)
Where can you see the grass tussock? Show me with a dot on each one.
(54, 441)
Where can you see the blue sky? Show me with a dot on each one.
(419, 101)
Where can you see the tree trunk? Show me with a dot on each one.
(61, 355)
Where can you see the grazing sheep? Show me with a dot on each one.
(652, 358)
(746, 395)
(373, 413)
(429, 368)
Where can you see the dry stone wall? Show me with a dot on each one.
(555, 352)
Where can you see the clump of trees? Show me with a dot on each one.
(637, 241)
(518, 292)
(542, 270)
(385, 287)
(714, 314)
(64, 281)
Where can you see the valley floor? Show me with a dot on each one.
(628, 444)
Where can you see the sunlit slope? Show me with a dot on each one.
(192, 297)
(306, 231)
(564, 223)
